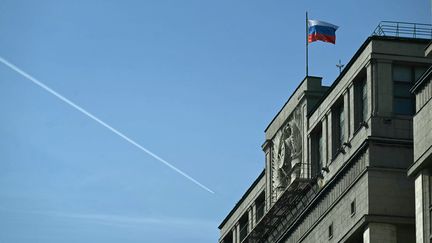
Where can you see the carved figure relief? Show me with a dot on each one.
(287, 152)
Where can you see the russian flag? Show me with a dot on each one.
(321, 31)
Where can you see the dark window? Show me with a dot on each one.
(259, 206)
(317, 151)
(330, 231)
(364, 101)
(361, 107)
(353, 207)
(404, 77)
(243, 222)
(338, 136)
(228, 238)
(361, 102)
(341, 128)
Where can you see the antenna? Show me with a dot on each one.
(340, 65)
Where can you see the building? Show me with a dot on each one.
(336, 158)
(421, 169)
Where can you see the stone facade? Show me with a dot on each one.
(422, 166)
(336, 158)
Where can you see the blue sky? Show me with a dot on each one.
(196, 82)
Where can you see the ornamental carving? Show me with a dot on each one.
(287, 153)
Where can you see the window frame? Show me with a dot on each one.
(228, 237)
(260, 207)
(338, 127)
(361, 100)
(330, 231)
(399, 98)
(353, 207)
(243, 226)
(317, 150)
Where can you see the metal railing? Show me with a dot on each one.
(256, 217)
(283, 209)
(291, 203)
(403, 29)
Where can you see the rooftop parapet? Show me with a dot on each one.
(403, 29)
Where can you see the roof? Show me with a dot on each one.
(350, 63)
(242, 199)
(292, 94)
(356, 55)
(328, 91)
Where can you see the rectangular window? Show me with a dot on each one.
(330, 231)
(364, 101)
(338, 136)
(259, 206)
(243, 223)
(361, 108)
(353, 207)
(317, 150)
(404, 77)
(228, 238)
(341, 126)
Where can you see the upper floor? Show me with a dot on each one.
(423, 120)
(320, 127)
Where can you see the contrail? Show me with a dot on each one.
(82, 110)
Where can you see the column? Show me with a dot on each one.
(250, 219)
(419, 219)
(236, 233)
(253, 207)
(422, 203)
(267, 147)
(305, 170)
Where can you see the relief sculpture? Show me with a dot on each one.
(287, 153)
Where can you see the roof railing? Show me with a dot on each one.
(403, 29)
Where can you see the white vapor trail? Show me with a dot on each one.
(82, 110)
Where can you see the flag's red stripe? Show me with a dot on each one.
(321, 37)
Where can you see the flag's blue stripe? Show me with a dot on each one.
(325, 30)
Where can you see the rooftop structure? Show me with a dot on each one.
(336, 158)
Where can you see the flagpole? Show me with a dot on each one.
(307, 47)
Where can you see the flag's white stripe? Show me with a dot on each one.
(312, 22)
(82, 110)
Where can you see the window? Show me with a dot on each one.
(404, 77)
(228, 238)
(341, 128)
(259, 206)
(330, 231)
(353, 207)
(320, 150)
(338, 136)
(361, 102)
(364, 101)
(317, 152)
(244, 221)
